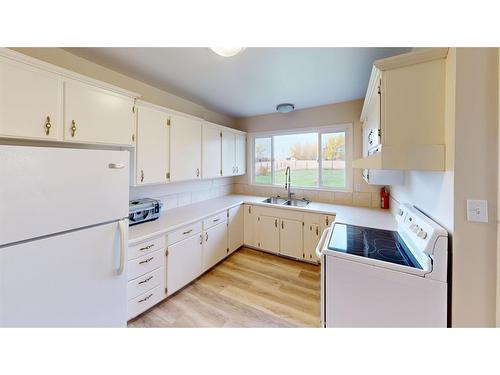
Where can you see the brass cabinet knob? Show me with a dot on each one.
(142, 175)
(73, 128)
(48, 125)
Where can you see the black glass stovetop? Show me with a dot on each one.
(383, 245)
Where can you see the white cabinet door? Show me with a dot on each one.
(29, 102)
(152, 146)
(267, 233)
(312, 234)
(240, 154)
(236, 227)
(215, 245)
(212, 150)
(184, 262)
(228, 156)
(291, 238)
(94, 115)
(249, 222)
(185, 148)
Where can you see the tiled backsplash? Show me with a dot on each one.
(183, 193)
(362, 199)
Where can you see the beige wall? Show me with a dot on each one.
(472, 173)
(149, 93)
(327, 115)
(476, 176)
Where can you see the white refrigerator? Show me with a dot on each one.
(63, 236)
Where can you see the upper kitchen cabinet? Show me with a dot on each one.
(404, 113)
(30, 102)
(94, 115)
(212, 150)
(233, 152)
(152, 147)
(240, 153)
(185, 148)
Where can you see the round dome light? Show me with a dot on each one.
(227, 51)
(285, 107)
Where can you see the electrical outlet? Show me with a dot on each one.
(357, 187)
(477, 210)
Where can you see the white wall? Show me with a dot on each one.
(183, 193)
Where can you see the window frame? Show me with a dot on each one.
(347, 128)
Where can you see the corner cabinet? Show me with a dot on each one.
(403, 114)
(233, 153)
(211, 144)
(185, 148)
(152, 146)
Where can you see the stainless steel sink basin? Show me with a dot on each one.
(274, 200)
(285, 202)
(296, 203)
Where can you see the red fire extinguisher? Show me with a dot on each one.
(384, 198)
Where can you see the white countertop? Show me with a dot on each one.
(178, 217)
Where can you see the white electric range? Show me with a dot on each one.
(379, 278)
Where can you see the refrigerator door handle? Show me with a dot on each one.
(123, 226)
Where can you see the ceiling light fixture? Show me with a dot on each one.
(227, 51)
(285, 107)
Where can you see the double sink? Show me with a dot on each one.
(286, 202)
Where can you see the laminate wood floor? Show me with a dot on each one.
(248, 289)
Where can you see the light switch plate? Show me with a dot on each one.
(477, 210)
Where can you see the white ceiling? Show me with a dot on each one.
(250, 83)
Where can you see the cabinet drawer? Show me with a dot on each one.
(145, 282)
(146, 247)
(214, 220)
(185, 232)
(147, 263)
(143, 302)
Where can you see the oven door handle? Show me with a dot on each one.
(319, 247)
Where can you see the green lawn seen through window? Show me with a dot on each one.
(306, 178)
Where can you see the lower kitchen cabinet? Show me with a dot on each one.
(145, 275)
(248, 224)
(291, 238)
(215, 245)
(267, 233)
(312, 234)
(184, 262)
(235, 228)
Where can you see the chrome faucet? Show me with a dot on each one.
(288, 185)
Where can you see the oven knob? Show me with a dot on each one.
(422, 234)
(416, 228)
(400, 212)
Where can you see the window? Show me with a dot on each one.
(318, 158)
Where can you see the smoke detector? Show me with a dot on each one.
(285, 107)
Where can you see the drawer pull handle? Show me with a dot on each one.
(145, 298)
(187, 232)
(216, 220)
(145, 280)
(146, 260)
(146, 247)
(201, 239)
